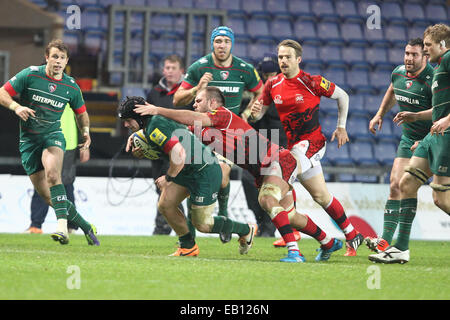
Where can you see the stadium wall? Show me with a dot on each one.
(125, 206)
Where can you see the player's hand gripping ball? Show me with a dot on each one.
(140, 141)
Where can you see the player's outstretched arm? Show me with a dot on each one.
(7, 101)
(340, 134)
(184, 96)
(386, 105)
(83, 123)
(186, 117)
(408, 116)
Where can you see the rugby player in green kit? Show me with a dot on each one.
(431, 157)
(232, 76)
(44, 93)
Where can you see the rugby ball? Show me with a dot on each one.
(140, 141)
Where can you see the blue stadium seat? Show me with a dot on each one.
(377, 56)
(372, 103)
(345, 177)
(239, 27)
(415, 31)
(107, 3)
(329, 107)
(375, 37)
(352, 34)
(162, 24)
(356, 105)
(281, 29)
(366, 178)
(338, 156)
(397, 131)
(255, 8)
(258, 28)
(72, 40)
(257, 49)
(324, 9)
(328, 32)
(386, 134)
(396, 55)
(358, 80)
(205, 4)
(347, 11)
(396, 34)
(391, 12)
(331, 56)
(93, 42)
(233, 7)
(380, 79)
(358, 128)
(327, 122)
(240, 49)
(362, 153)
(355, 56)
(306, 32)
(415, 13)
(86, 3)
(138, 3)
(277, 7)
(189, 4)
(301, 9)
(91, 20)
(310, 55)
(385, 152)
(158, 3)
(436, 13)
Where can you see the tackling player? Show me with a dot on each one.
(44, 93)
(232, 76)
(274, 168)
(410, 88)
(296, 95)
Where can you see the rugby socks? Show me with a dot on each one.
(58, 198)
(281, 222)
(337, 213)
(391, 216)
(76, 218)
(226, 225)
(311, 229)
(222, 199)
(187, 241)
(407, 213)
(189, 217)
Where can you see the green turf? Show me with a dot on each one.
(126, 267)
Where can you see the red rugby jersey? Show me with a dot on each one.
(297, 101)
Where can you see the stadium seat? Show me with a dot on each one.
(310, 55)
(328, 32)
(306, 32)
(278, 7)
(72, 40)
(87, 3)
(93, 42)
(137, 3)
(355, 56)
(258, 28)
(358, 80)
(397, 130)
(356, 105)
(239, 27)
(375, 37)
(331, 56)
(240, 49)
(380, 79)
(91, 20)
(162, 24)
(372, 103)
(338, 156)
(345, 177)
(324, 10)
(337, 75)
(329, 108)
(281, 29)
(158, 3)
(352, 34)
(366, 178)
(391, 12)
(358, 128)
(205, 4)
(361, 152)
(233, 7)
(255, 8)
(188, 4)
(436, 13)
(385, 152)
(377, 57)
(347, 11)
(415, 31)
(107, 3)
(415, 12)
(386, 134)
(396, 55)
(257, 49)
(301, 9)
(396, 34)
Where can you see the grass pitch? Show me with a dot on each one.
(131, 267)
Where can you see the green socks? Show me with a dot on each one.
(187, 241)
(59, 198)
(189, 218)
(222, 199)
(407, 213)
(77, 219)
(391, 213)
(225, 225)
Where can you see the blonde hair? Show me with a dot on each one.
(292, 44)
(437, 33)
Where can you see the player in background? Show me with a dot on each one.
(296, 95)
(410, 88)
(232, 76)
(273, 168)
(193, 172)
(44, 93)
(431, 156)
